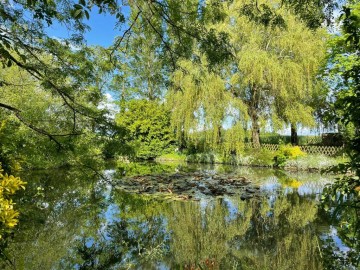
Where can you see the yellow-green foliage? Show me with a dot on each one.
(287, 152)
(290, 182)
(233, 140)
(9, 185)
(171, 157)
(290, 151)
(272, 76)
(199, 104)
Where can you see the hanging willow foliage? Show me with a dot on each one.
(271, 79)
(202, 106)
(281, 61)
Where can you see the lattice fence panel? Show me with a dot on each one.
(270, 147)
(324, 150)
(309, 149)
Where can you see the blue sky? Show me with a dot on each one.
(103, 29)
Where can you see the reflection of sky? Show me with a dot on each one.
(333, 235)
(111, 214)
(309, 184)
(232, 208)
(307, 190)
(270, 187)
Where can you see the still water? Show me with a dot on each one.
(75, 220)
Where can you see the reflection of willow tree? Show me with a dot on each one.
(262, 235)
(55, 216)
(86, 227)
(137, 168)
(281, 236)
(200, 234)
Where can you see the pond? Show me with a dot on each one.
(73, 220)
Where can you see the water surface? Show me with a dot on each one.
(74, 220)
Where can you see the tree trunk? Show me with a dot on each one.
(218, 141)
(294, 136)
(255, 132)
(253, 112)
(255, 128)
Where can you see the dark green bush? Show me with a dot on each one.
(147, 125)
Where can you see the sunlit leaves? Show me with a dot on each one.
(276, 66)
(148, 127)
(9, 185)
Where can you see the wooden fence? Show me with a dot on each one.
(309, 149)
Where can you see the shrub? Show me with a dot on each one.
(147, 128)
(171, 157)
(251, 157)
(256, 157)
(9, 185)
(290, 151)
(203, 158)
(287, 152)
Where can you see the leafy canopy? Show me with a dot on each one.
(148, 128)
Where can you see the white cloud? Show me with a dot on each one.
(109, 105)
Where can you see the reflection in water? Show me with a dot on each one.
(77, 223)
(233, 234)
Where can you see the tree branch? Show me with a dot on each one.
(52, 137)
(127, 31)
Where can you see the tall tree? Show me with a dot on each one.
(141, 61)
(201, 106)
(148, 128)
(344, 75)
(178, 24)
(276, 63)
(270, 77)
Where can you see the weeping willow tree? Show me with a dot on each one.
(269, 78)
(201, 107)
(276, 60)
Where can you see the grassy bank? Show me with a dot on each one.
(172, 157)
(265, 158)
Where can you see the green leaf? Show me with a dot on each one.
(87, 14)
(78, 13)
(77, 6)
(29, 2)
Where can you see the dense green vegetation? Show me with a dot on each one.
(200, 79)
(147, 128)
(217, 74)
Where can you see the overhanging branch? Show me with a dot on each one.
(52, 137)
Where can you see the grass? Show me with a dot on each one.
(265, 158)
(313, 162)
(171, 157)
